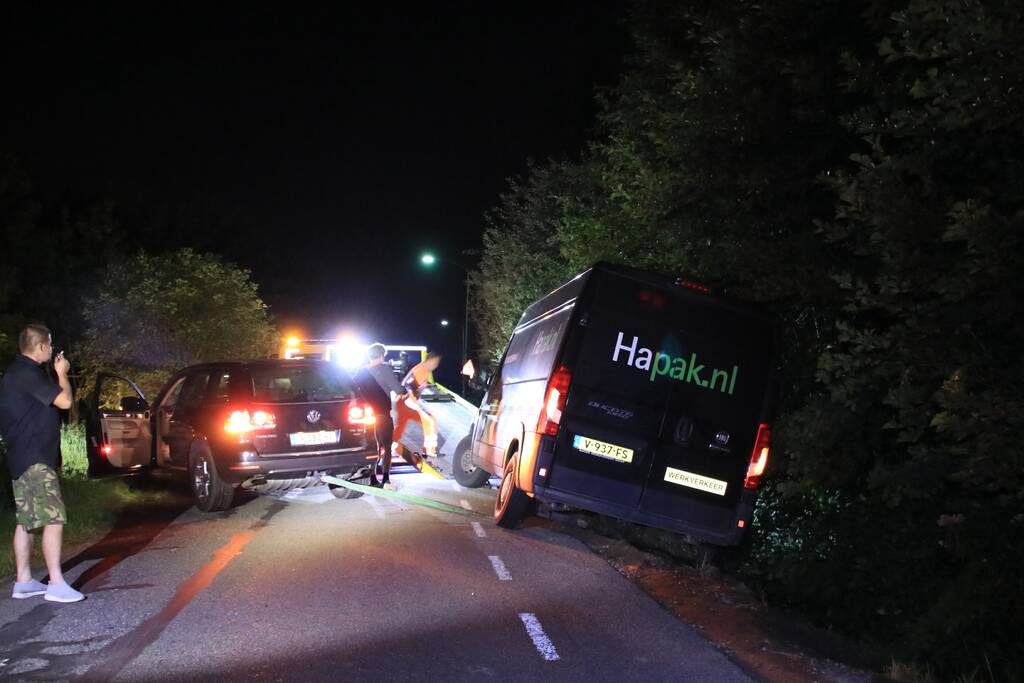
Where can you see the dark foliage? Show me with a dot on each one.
(857, 168)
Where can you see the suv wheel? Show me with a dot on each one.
(511, 504)
(209, 491)
(344, 492)
(463, 469)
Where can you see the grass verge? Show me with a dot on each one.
(93, 506)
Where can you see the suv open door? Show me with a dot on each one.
(118, 433)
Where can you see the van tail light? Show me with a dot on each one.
(554, 401)
(106, 449)
(759, 456)
(359, 414)
(242, 421)
(693, 285)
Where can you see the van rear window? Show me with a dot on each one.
(300, 384)
(531, 353)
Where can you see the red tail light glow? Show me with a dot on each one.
(242, 421)
(695, 286)
(554, 401)
(759, 456)
(106, 449)
(359, 414)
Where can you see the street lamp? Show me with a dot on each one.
(428, 259)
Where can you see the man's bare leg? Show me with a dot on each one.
(53, 535)
(23, 553)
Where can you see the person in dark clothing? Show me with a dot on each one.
(30, 426)
(379, 388)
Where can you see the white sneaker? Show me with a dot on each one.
(28, 589)
(62, 592)
(390, 486)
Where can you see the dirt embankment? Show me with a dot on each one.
(770, 645)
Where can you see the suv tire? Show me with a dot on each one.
(511, 505)
(344, 492)
(209, 491)
(463, 469)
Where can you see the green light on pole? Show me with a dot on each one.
(428, 259)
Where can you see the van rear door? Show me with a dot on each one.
(666, 394)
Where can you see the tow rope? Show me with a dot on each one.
(384, 493)
(422, 465)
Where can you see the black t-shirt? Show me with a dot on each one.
(372, 392)
(29, 422)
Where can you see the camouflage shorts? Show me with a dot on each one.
(37, 498)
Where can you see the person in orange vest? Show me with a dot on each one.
(412, 408)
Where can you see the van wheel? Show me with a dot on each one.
(463, 469)
(209, 491)
(344, 492)
(511, 504)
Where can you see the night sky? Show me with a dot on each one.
(324, 151)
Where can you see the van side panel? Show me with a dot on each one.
(516, 397)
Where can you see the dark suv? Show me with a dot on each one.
(261, 425)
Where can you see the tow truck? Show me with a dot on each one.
(350, 353)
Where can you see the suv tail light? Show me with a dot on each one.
(359, 414)
(554, 401)
(759, 456)
(242, 421)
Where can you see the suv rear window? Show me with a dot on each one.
(300, 384)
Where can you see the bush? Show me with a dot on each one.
(73, 450)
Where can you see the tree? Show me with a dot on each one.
(52, 252)
(153, 315)
(917, 416)
(521, 259)
(856, 168)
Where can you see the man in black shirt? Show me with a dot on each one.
(379, 386)
(29, 424)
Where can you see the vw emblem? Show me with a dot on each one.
(312, 417)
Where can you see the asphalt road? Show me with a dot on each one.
(303, 587)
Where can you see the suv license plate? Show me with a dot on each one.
(313, 438)
(602, 449)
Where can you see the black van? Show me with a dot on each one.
(633, 395)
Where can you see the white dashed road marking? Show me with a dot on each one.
(479, 530)
(540, 639)
(465, 503)
(499, 568)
